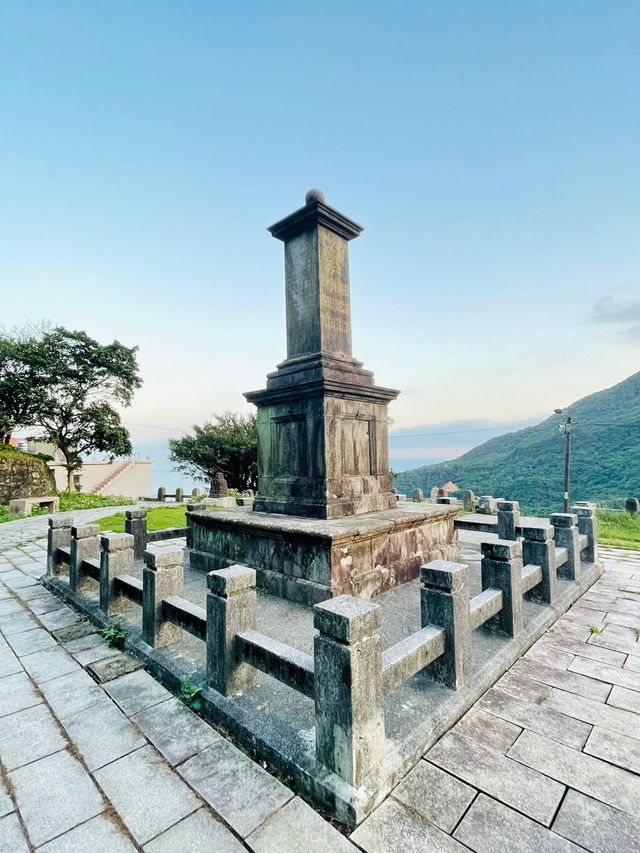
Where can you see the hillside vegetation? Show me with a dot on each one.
(528, 465)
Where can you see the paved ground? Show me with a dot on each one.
(547, 760)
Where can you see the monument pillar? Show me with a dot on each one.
(322, 422)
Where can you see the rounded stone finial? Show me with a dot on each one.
(314, 195)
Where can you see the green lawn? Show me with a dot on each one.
(619, 529)
(157, 519)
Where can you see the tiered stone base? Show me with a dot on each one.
(310, 560)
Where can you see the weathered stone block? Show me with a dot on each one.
(163, 576)
(231, 609)
(116, 558)
(444, 600)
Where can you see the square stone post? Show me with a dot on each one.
(85, 545)
(350, 737)
(231, 609)
(508, 519)
(444, 601)
(502, 569)
(135, 523)
(163, 576)
(116, 558)
(587, 527)
(538, 549)
(565, 525)
(58, 536)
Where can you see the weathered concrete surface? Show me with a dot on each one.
(310, 560)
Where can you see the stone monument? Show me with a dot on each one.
(326, 520)
(322, 422)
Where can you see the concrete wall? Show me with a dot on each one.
(135, 482)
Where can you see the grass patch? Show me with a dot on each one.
(161, 518)
(78, 500)
(618, 529)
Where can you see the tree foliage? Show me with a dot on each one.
(71, 385)
(230, 446)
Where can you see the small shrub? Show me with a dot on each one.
(78, 500)
(595, 630)
(114, 634)
(190, 695)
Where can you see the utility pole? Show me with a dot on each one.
(566, 427)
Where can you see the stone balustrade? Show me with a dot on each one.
(349, 674)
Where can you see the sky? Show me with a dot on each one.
(490, 149)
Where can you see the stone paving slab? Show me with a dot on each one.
(596, 826)
(523, 788)
(11, 835)
(283, 832)
(437, 796)
(28, 735)
(136, 691)
(490, 825)
(147, 795)
(393, 827)
(98, 835)
(175, 730)
(17, 693)
(101, 734)
(214, 774)
(196, 834)
(53, 795)
(582, 772)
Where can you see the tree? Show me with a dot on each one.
(21, 386)
(230, 446)
(79, 382)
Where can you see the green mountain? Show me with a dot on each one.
(528, 465)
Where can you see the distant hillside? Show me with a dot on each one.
(528, 465)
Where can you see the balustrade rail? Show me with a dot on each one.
(349, 675)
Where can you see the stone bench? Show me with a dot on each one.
(24, 506)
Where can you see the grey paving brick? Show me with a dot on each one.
(282, 832)
(71, 693)
(28, 735)
(9, 663)
(493, 732)
(596, 826)
(522, 687)
(175, 730)
(136, 691)
(216, 772)
(42, 791)
(582, 772)
(536, 717)
(14, 623)
(73, 632)
(12, 838)
(98, 835)
(393, 827)
(435, 794)
(615, 748)
(529, 792)
(549, 655)
(608, 674)
(632, 663)
(146, 793)
(195, 834)
(112, 668)
(97, 653)
(48, 664)
(10, 605)
(595, 713)
(102, 733)
(61, 618)
(489, 826)
(584, 650)
(569, 681)
(622, 697)
(16, 693)
(29, 642)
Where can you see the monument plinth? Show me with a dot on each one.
(323, 448)
(325, 519)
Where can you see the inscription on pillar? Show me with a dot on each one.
(289, 445)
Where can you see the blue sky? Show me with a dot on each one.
(490, 149)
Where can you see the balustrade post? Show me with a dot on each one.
(350, 738)
(444, 601)
(231, 609)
